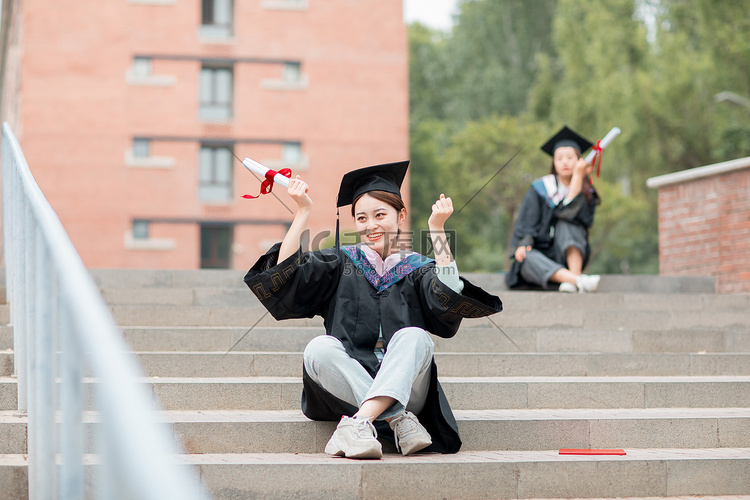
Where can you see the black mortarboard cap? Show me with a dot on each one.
(387, 177)
(566, 138)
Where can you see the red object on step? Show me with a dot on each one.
(570, 451)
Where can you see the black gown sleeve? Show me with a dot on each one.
(578, 211)
(445, 308)
(528, 222)
(299, 287)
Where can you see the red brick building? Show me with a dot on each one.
(704, 223)
(131, 112)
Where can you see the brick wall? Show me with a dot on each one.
(704, 224)
(76, 106)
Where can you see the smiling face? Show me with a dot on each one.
(378, 224)
(564, 160)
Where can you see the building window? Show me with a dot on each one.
(140, 229)
(292, 72)
(138, 237)
(216, 93)
(153, 2)
(291, 153)
(139, 155)
(141, 72)
(216, 244)
(284, 4)
(291, 157)
(216, 18)
(215, 173)
(291, 78)
(141, 148)
(141, 67)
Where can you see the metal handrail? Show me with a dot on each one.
(62, 327)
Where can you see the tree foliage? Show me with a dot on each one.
(513, 72)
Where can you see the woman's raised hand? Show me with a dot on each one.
(582, 168)
(298, 191)
(441, 210)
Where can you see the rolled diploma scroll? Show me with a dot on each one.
(604, 143)
(261, 170)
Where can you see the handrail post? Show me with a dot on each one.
(7, 182)
(18, 282)
(71, 401)
(29, 331)
(45, 291)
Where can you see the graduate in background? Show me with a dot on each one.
(374, 370)
(550, 246)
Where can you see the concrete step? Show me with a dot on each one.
(468, 475)
(641, 473)
(681, 497)
(168, 278)
(14, 476)
(12, 432)
(468, 339)
(289, 364)
(512, 300)
(6, 338)
(290, 431)
(143, 278)
(220, 339)
(464, 393)
(475, 393)
(8, 394)
(595, 319)
(6, 363)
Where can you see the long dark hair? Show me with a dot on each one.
(587, 188)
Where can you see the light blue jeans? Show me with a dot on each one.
(404, 373)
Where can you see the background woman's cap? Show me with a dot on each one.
(387, 177)
(566, 138)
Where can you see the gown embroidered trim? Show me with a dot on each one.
(395, 274)
(548, 188)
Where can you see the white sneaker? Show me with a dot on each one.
(588, 283)
(355, 438)
(410, 435)
(568, 287)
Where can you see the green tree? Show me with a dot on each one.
(427, 76)
(711, 42)
(429, 140)
(490, 164)
(491, 57)
(651, 67)
(622, 238)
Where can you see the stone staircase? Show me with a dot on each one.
(659, 367)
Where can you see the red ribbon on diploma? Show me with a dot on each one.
(267, 185)
(598, 153)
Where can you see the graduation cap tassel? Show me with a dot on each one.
(337, 229)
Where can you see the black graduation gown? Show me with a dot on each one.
(330, 284)
(533, 227)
